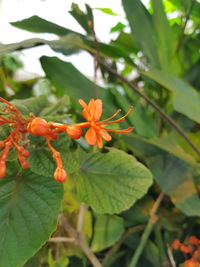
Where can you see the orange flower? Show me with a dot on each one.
(92, 113)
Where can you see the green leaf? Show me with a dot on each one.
(70, 41)
(118, 27)
(111, 182)
(165, 46)
(7, 48)
(107, 230)
(154, 146)
(107, 11)
(142, 29)
(41, 158)
(32, 104)
(68, 80)
(39, 25)
(186, 99)
(84, 19)
(28, 214)
(176, 180)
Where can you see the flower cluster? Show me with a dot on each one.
(191, 251)
(16, 139)
(50, 130)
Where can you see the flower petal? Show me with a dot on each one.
(91, 136)
(105, 135)
(91, 109)
(82, 103)
(99, 141)
(98, 109)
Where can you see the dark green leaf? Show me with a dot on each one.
(176, 180)
(186, 99)
(39, 25)
(107, 230)
(142, 29)
(29, 205)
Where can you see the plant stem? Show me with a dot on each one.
(108, 260)
(151, 222)
(152, 104)
(59, 239)
(78, 240)
(83, 209)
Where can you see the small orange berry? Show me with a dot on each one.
(60, 175)
(74, 132)
(23, 162)
(176, 244)
(191, 263)
(2, 169)
(186, 249)
(193, 240)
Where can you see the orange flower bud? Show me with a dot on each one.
(2, 169)
(40, 127)
(74, 132)
(176, 244)
(60, 175)
(191, 263)
(23, 162)
(193, 240)
(186, 249)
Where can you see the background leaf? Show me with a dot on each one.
(176, 180)
(107, 230)
(185, 98)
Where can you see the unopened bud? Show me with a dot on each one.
(2, 169)
(176, 244)
(193, 240)
(74, 132)
(24, 152)
(40, 127)
(23, 162)
(60, 175)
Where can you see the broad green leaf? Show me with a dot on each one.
(66, 44)
(142, 29)
(154, 146)
(41, 162)
(176, 180)
(107, 230)
(29, 205)
(186, 99)
(68, 80)
(41, 158)
(111, 182)
(31, 105)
